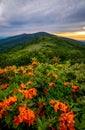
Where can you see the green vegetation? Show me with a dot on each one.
(11, 42)
(44, 48)
(48, 90)
(42, 85)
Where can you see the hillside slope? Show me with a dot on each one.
(45, 48)
(11, 42)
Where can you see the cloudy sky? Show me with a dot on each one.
(54, 16)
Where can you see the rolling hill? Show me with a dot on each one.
(10, 42)
(19, 50)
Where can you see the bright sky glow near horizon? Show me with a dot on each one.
(61, 17)
(74, 35)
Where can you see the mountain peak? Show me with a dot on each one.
(16, 40)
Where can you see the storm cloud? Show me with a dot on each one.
(28, 16)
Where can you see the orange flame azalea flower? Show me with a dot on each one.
(22, 68)
(29, 82)
(23, 86)
(29, 67)
(1, 113)
(67, 121)
(29, 93)
(64, 107)
(5, 104)
(1, 71)
(4, 86)
(66, 83)
(56, 106)
(55, 76)
(59, 106)
(32, 92)
(53, 102)
(25, 115)
(15, 71)
(34, 63)
(22, 109)
(75, 88)
(30, 74)
(51, 84)
(63, 126)
(12, 100)
(24, 71)
(24, 92)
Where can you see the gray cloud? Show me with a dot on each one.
(19, 16)
(77, 15)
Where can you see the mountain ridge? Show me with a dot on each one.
(17, 40)
(45, 49)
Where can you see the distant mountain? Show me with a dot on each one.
(14, 41)
(83, 42)
(3, 37)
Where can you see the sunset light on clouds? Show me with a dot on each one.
(74, 35)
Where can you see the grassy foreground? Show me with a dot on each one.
(42, 96)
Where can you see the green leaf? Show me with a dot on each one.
(75, 109)
(8, 119)
(82, 125)
(83, 116)
(39, 122)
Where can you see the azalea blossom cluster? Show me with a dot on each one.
(26, 116)
(6, 104)
(14, 68)
(66, 118)
(67, 121)
(34, 63)
(4, 86)
(28, 93)
(57, 105)
(21, 82)
(75, 89)
(8, 68)
(66, 83)
(30, 67)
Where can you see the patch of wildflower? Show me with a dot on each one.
(28, 93)
(6, 104)
(25, 116)
(67, 121)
